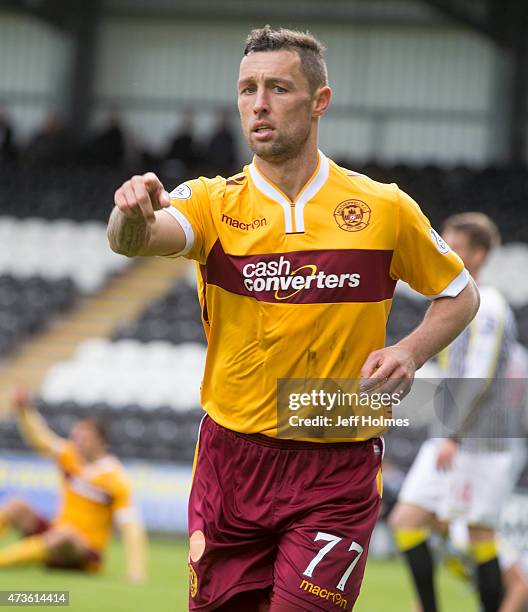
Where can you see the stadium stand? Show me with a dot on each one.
(174, 318)
(44, 267)
(67, 191)
(27, 306)
(58, 249)
(153, 374)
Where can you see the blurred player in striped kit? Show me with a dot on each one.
(465, 471)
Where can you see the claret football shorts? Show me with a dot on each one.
(292, 516)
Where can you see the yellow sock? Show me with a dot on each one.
(27, 550)
(409, 538)
(482, 552)
(457, 567)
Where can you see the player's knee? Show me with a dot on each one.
(480, 534)
(401, 517)
(15, 508)
(59, 541)
(393, 519)
(406, 516)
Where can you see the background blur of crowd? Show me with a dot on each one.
(114, 146)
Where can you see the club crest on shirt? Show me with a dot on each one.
(352, 215)
(193, 581)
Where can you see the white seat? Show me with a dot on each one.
(127, 354)
(94, 350)
(61, 382)
(58, 249)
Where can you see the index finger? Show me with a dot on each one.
(152, 182)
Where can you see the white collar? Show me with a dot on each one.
(307, 193)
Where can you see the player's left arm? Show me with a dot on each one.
(423, 260)
(132, 532)
(135, 543)
(32, 425)
(443, 322)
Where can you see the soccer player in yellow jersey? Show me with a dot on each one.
(95, 490)
(297, 263)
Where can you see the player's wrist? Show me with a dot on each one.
(413, 357)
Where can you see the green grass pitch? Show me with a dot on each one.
(385, 588)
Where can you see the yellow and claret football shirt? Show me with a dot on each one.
(92, 493)
(300, 289)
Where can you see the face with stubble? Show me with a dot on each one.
(277, 108)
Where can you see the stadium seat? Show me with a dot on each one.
(127, 372)
(28, 305)
(78, 251)
(175, 318)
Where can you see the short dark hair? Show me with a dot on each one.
(98, 426)
(309, 49)
(479, 228)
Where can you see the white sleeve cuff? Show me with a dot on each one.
(454, 287)
(186, 227)
(126, 515)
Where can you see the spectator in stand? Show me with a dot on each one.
(108, 147)
(51, 144)
(8, 151)
(183, 147)
(221, 154)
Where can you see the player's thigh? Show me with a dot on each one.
(479, 484)
(23, 517)
(232, 549)
(321, 561)
(229, 567)
(424, 486)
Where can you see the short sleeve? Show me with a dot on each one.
(422, 258)
(66, 457)
(191, 207)
(122, 500)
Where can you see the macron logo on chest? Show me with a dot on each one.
(241, 225)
